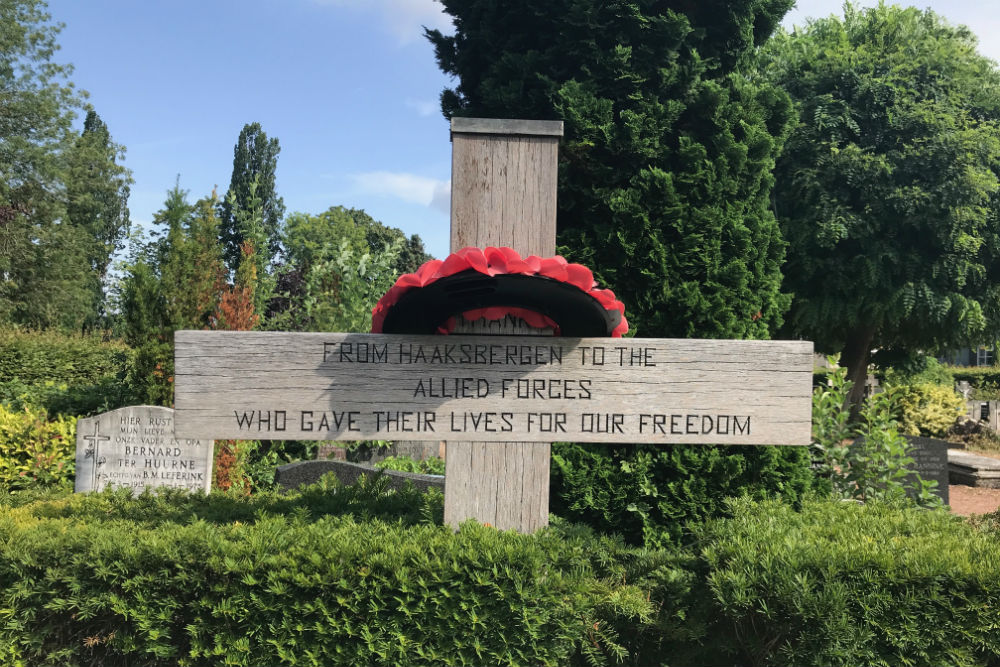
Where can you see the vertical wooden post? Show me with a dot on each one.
(503, 193)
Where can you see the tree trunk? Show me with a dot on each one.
(854, 357)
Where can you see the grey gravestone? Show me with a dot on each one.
(135, 448)
(930, 458)
(930, 462)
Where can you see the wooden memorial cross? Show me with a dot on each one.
(498, 400)
(503, 194)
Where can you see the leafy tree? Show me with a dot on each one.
(664, 186)
(255, 160)
(887, 186)
(63, 195)
(174, 282)
(340, 292)
(665, 168)
(256, 280)
(328, 255)
(52, 285)
(37, 110)
(310, 238)
(44, 275)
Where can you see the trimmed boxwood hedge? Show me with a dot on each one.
(363, 576)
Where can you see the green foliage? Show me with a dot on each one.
(174, 281)
(190, 260)
(919, 369)
(63, 373)
(62, 195)
(365, 575)
(846, 584)
(314, 249)
(885, 187)
(665, 166)
(877, 465)
(250, 225)
(927, 409)
(255, 161)
(35, 357)
(429, 466)
(97, 193)
(983, 379)
(305, 579)
(339, 293)
(263, 456)
(649, 493)
(35, 451)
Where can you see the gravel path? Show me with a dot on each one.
(968, 500)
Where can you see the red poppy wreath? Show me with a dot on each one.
(496, 282)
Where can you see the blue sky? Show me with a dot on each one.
(349, 88)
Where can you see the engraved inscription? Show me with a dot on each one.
(493, 388)
(136, 448)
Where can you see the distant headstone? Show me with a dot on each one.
(930, 462)
(930, 458)
(135, 448)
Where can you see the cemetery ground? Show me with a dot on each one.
(971, 500)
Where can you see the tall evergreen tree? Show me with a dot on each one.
(665, 168)
(255, 159)
(97, 191)
(664, 185)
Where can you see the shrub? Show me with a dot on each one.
(364, 575)
(927, 409)
(648, 493)
(36, 450)
(919, 369)
(34, 357)
(96, 581)
(977, 376)
(877, 465)
(62, 373)
(847, 584)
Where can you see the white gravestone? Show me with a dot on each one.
(135, 448)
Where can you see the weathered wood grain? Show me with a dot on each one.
(504, 484)
(328, 386)
(503, 192)
(507, 126)
(504, 176)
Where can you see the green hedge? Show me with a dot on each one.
(976, 375)
(362, 576)
(36, 357)
(846, 584)
(648, 493)
(297, 580)
(65, 374)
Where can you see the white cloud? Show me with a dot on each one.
(423, 107)
(408, 187)
(403, 18)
